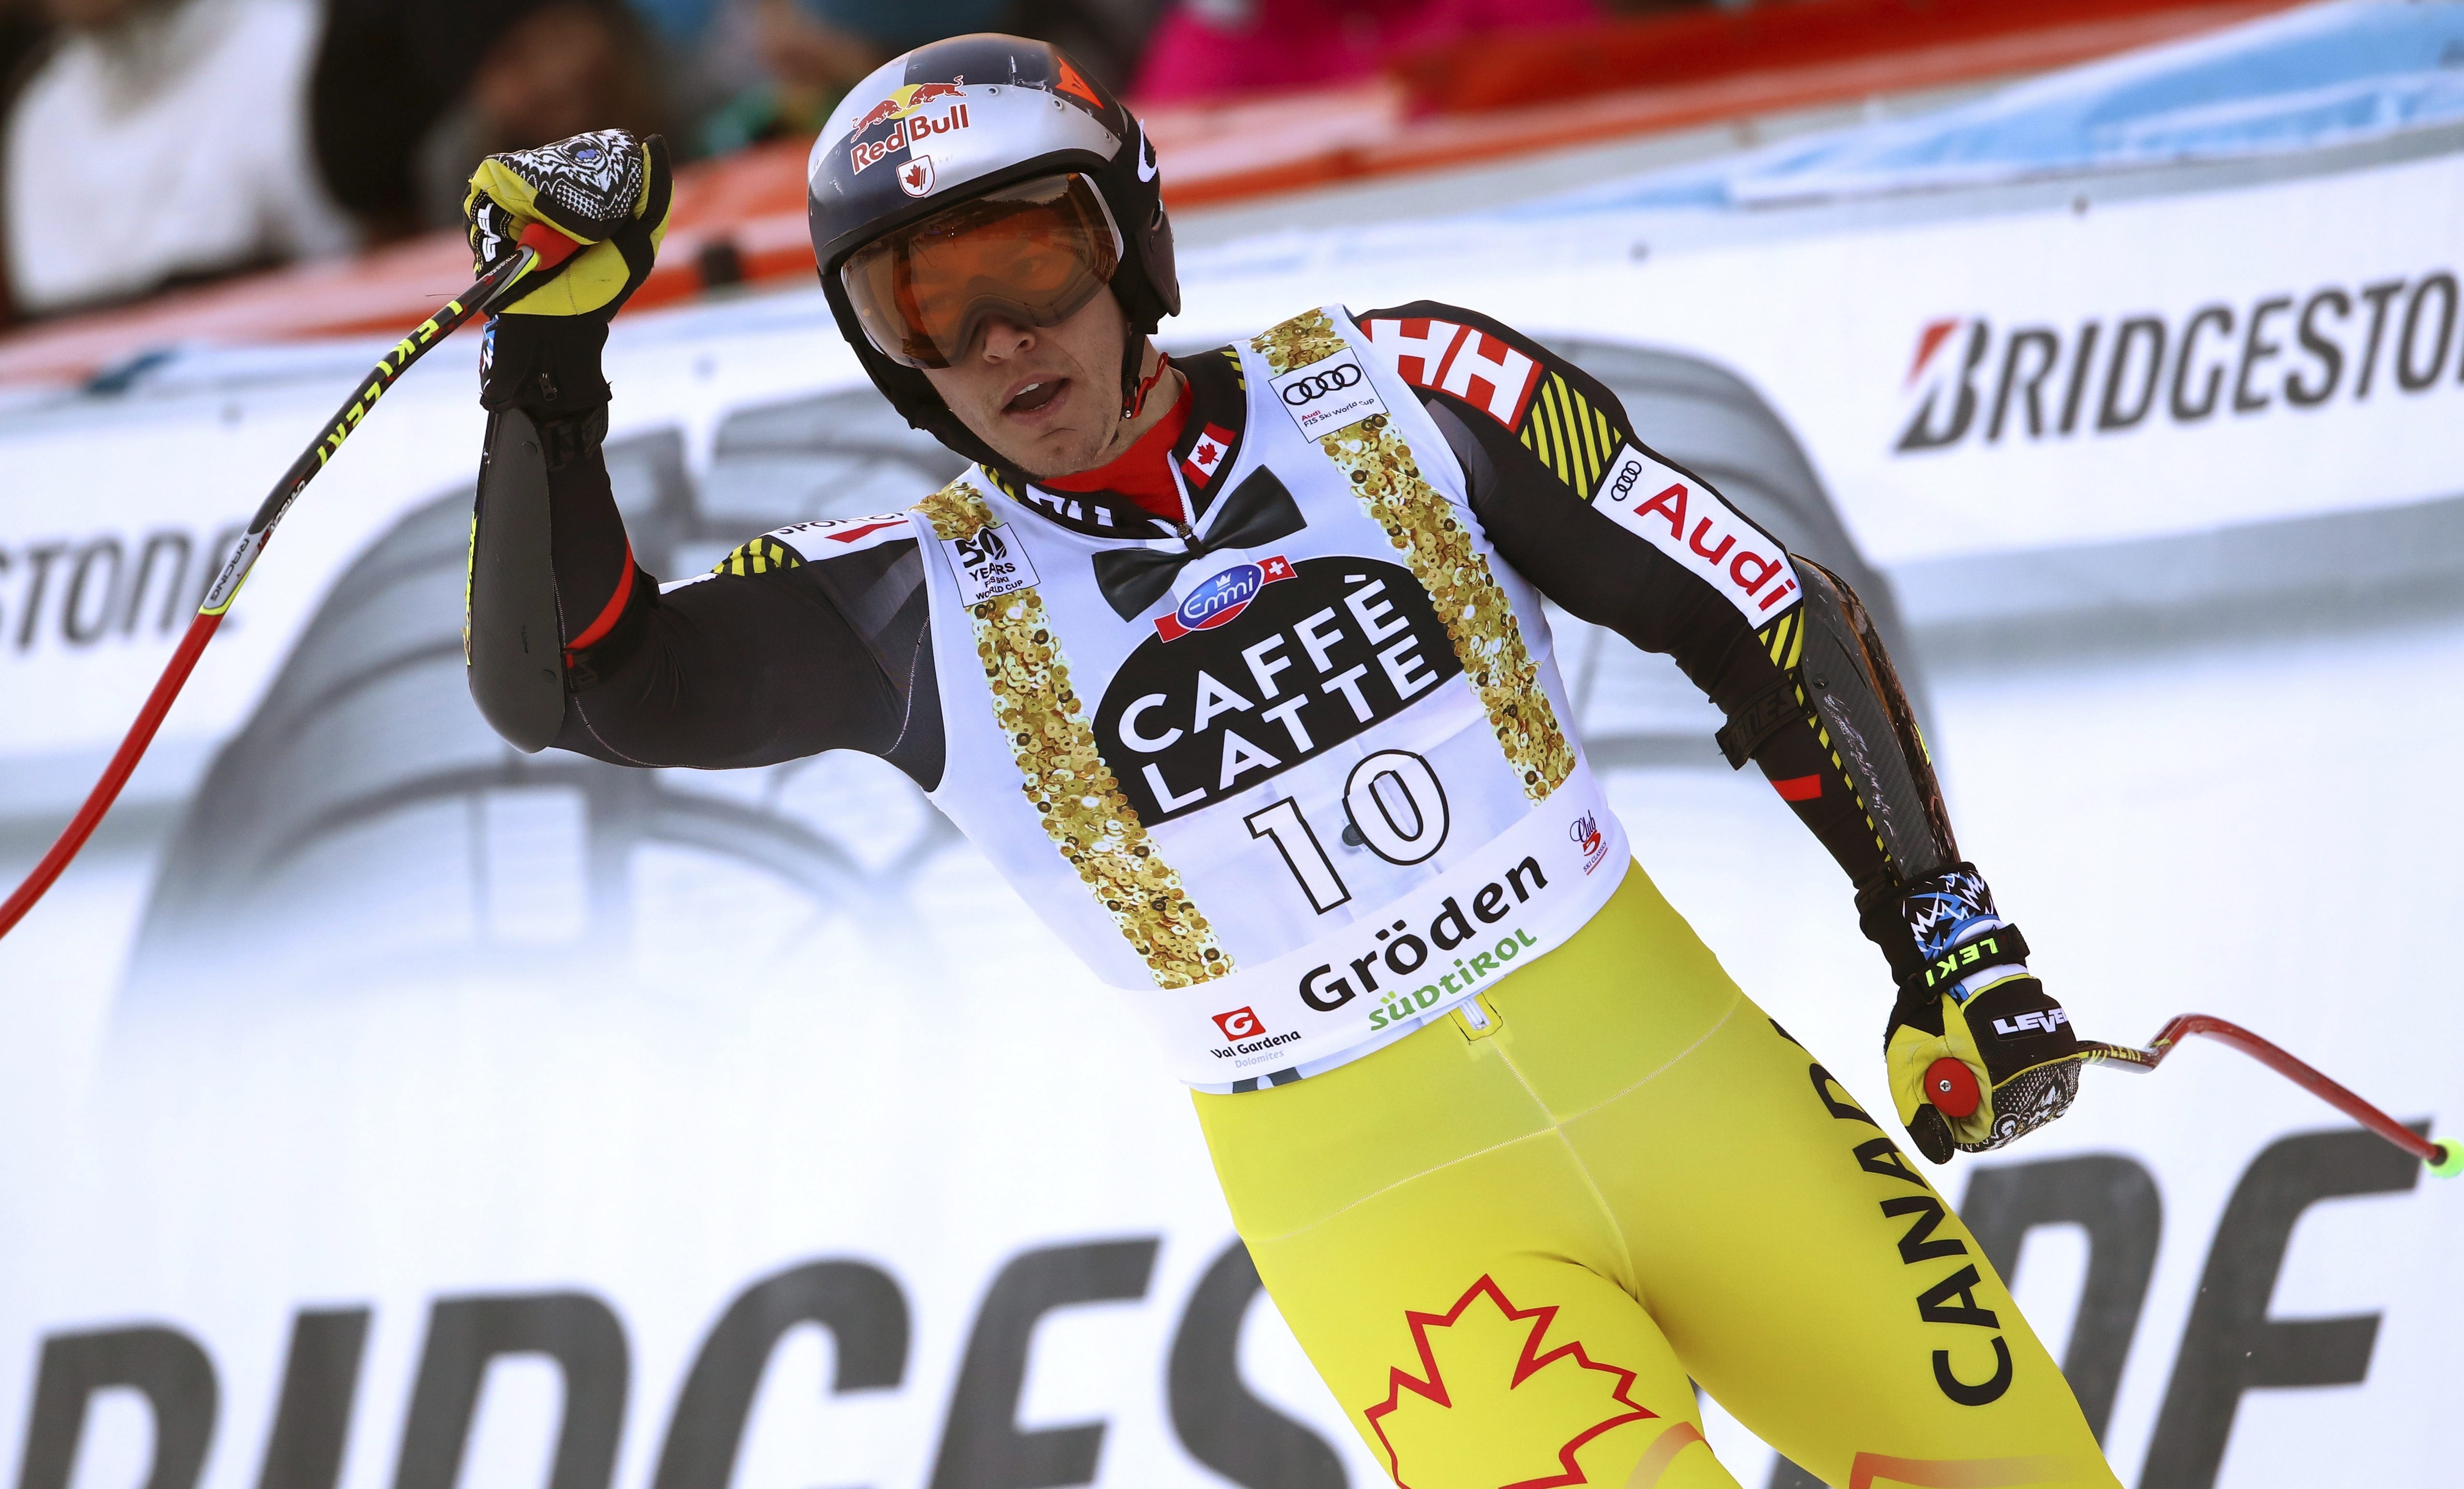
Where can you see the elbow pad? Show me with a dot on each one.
(1845, 681)
(513, 643)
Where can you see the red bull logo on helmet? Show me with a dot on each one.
(904, 101)
(902, 112)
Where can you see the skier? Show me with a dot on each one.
(1235, 666)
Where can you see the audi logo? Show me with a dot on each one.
(1317, 385)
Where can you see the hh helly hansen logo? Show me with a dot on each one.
(1481, 369)
(2043, 1022)
(1688, 521)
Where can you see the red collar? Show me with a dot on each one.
(1141, 472)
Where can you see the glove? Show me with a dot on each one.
(1978, 1054)
(605, 191)
(595, 208)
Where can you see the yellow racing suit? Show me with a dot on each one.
(1510, 1228)
(1507, 1240)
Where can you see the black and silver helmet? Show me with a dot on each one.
(951, 120)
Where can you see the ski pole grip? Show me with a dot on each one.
(552, 246)
(1950, 1087)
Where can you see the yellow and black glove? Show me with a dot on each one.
(595, 208)
(1978, 1054)
(605, 191)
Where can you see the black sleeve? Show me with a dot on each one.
(1808, 692)
(769, 658)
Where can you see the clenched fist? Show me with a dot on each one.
(1978, 1052)
(605, 191)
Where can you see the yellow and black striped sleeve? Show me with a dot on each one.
(1538, 438)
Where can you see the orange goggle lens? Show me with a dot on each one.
(1033, 253)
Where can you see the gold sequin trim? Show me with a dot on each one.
(1439, 552)
(1063, 774)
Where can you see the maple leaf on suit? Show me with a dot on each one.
(1492, 1408)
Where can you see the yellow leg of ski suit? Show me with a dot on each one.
(1506, 1249)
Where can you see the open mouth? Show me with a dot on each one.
(1035, 396)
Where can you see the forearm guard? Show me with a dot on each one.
(1846, 683)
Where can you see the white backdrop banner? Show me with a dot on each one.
(384, 1109)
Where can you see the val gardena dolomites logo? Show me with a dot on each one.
(1249, 1042)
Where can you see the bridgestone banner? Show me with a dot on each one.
(382, 1108)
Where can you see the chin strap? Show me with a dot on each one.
(1133, 392)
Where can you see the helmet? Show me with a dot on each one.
(959, 120)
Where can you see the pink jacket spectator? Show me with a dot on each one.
(1207, 47)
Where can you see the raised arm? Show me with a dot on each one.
(1620, 537)
(570, 642)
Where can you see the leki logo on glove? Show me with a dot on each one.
(1957, 961)
(2043, 1022)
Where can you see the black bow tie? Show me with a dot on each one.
(1254, 513)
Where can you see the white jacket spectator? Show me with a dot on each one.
(162, 141)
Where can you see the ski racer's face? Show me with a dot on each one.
(1046, 397)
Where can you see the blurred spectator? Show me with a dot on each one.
(160, 141)
(810, 52)
(1207, 47)
(24, 27)
(410, 93)
(1107, 38)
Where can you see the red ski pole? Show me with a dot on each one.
(548, 247)
(2445, 1156)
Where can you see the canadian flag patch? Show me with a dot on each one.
(1206, 457)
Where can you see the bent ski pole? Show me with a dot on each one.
(481, 296)
(2445, 1156)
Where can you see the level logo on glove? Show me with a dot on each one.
(605, 191)
(1978, 1052)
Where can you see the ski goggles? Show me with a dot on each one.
(1033, 253)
